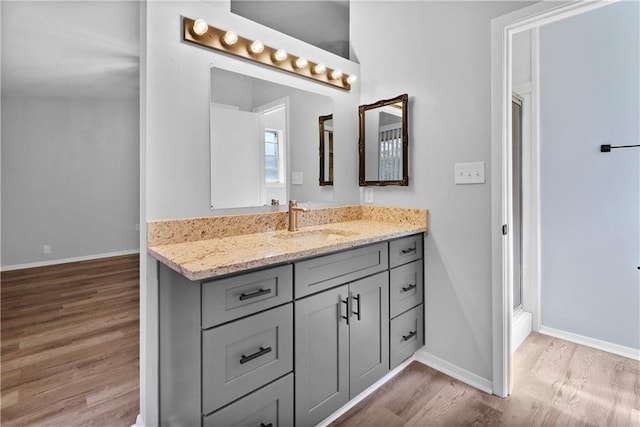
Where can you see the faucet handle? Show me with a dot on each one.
(293, 203)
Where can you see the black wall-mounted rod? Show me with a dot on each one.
(605, 148)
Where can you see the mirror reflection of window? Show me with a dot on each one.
(273, 156)
(390, 147)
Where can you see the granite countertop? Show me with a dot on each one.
(201, 259)
(204, 247)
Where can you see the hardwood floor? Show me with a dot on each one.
(556, 383)
(70, 337)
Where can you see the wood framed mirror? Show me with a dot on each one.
(325, 125)
(384, 142)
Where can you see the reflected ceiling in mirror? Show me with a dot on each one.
(383, 142)
(264, 142)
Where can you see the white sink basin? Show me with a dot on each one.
(314, 236)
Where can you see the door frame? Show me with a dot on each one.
(502, 30)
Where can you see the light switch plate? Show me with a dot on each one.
(469, 173)
(368, 195)
(297, 178)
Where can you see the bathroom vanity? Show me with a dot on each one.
(291, 337)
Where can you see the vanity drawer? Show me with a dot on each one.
(269, 406)
(407, 335)
(244, 355)
(324, 272)
(406, 287)
(404, 250)
(227, 299)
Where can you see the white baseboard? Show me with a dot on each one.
(66, 260)
(139, 422)
(454, 371)
(520, 328)
(620, 350)
(359, 398)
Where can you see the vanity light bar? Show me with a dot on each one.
(198, 32)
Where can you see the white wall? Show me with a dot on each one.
(439, 53)
(590, 201)
(70, 174)
(175, 136)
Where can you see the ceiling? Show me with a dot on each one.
(70, 48)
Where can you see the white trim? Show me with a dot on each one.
(522, 88)
(454, 371)
(67, 260)
(521, 328)
(502, 30)
(609, 347)
(139, 421)
(366, 393)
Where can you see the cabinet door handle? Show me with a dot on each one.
(407, 251)
(266, 425)
(345, 302)
(411, 335)
(244, 359)
(408, 288)
(244, 296)
(357, 313)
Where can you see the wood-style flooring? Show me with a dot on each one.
(70, 338)
(556, 383)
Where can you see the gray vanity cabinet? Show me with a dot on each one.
(287, 345)
(341, 345)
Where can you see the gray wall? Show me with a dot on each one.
(440, 53)
(323, 23)
(70, 177)
(590, 201)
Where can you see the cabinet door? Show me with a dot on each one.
(321, 355)
(369, 332)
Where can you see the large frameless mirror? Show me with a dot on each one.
(263, 138)
(383, 143)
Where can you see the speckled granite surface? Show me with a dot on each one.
(199, 248)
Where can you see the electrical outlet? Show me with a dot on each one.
(137, 227)
(47, 249)
(368, 195)
(469, 173)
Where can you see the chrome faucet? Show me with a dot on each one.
(293, 214)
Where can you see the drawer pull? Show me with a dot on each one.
(357, 313)
(411, 335)
(345, 302)
(407, 251)
(408, 288)
(266, 425)
(244, 359)
(244, 296)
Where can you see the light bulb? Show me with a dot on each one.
(256, 47)
(319, 68)
(200, 27)
(351, 79)
(336, 74)
(230, 38)
(280, 55)
(301, 62)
